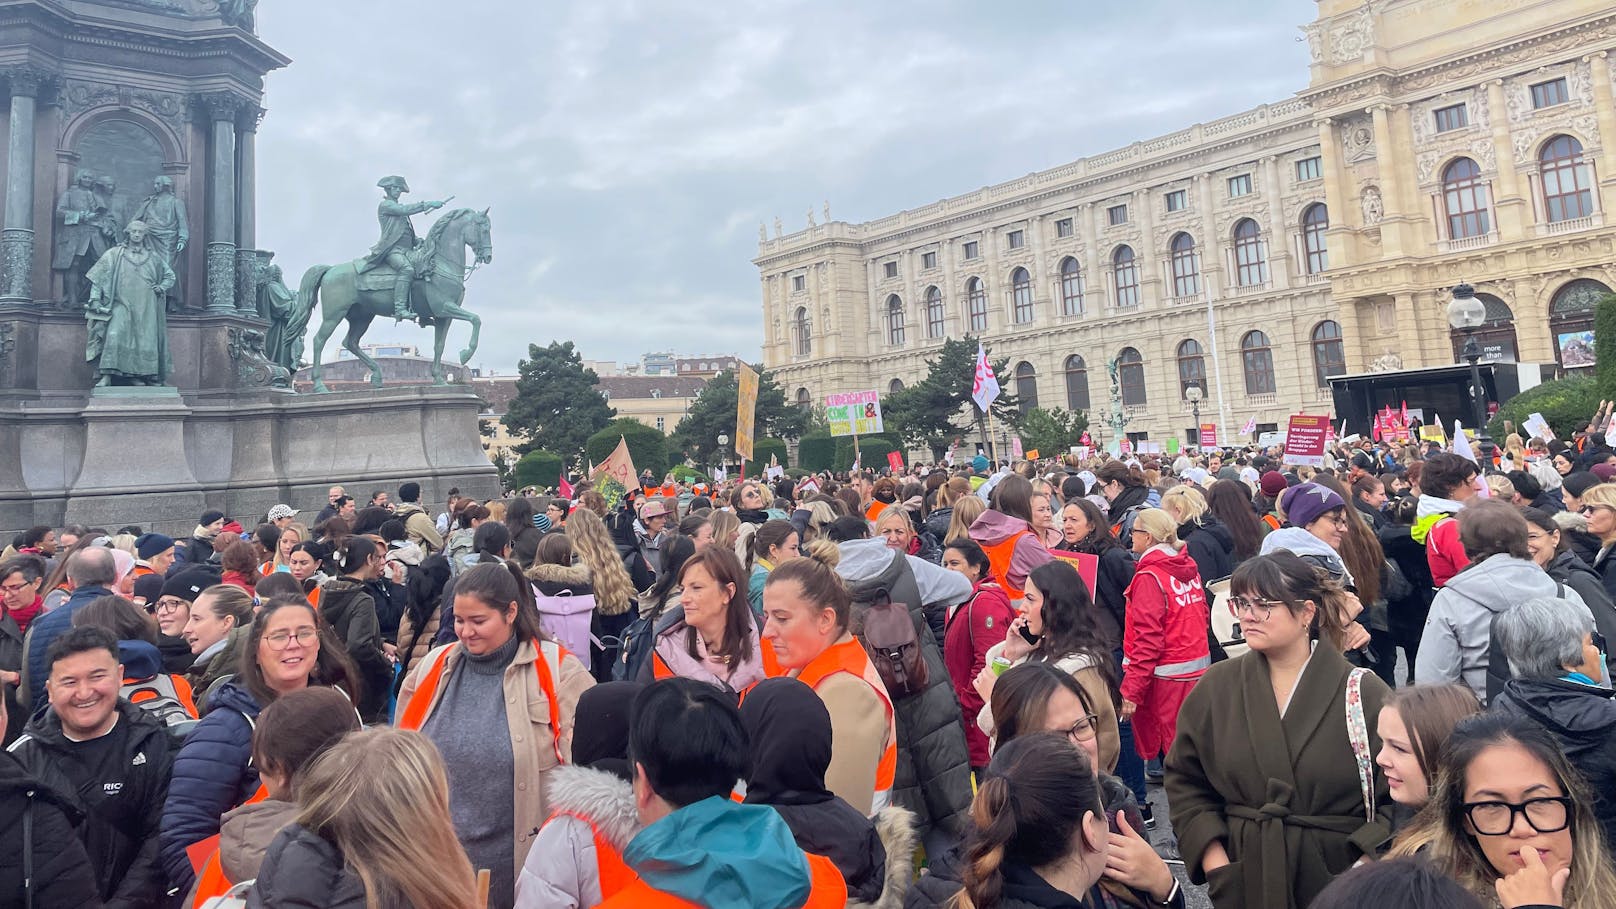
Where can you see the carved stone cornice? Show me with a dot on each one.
(221, 105)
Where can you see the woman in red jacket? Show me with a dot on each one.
(973, 628)
(1164, 643)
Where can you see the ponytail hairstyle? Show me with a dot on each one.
(381, 797)
(966, 510)
(471, 512)
(1284, 576)
(1118, 472)
(822, 551)
(974, 556)
(499, 584)
(356, 551)
(769, 535)
(820, 586)
(227, 600)
(490, 540)
(1038, 793)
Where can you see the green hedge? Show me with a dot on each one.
(816, 453)
(873, 450)
(683, 474)
(1565, 403)
(1604, 347)
(647, 446)
(762, 450)
(537, 468)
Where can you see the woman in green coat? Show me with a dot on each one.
(1271, 795)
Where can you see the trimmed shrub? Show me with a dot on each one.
(1604, 348)
(873, 450)
(1565, 403)
(537, 468)
(762, 450)
(683, 474)
(817, 453)
(647, 446)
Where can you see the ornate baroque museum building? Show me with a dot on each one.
(1438, 142)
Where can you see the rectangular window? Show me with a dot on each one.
(1063, 227)
(1451, 118)
(1016, 239)
(1116, 214)
(799, 283)
(1178, 200)
(1309, 169)
(1550, 93)
(661, 424)
(1240, 186)
(890, 269)
(928, 260)
(972, 251)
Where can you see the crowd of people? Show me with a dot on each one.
(1384, 679)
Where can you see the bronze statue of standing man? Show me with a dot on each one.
(164, 217)
(75, 239)
(398, 240)
(128, 321)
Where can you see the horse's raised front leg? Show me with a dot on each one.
(452, 311)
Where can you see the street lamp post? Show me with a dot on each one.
(1466, 314)
(723, 442)
(1193, 395)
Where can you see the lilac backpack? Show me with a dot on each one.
(567, 617)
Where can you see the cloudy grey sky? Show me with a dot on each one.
(630, 148)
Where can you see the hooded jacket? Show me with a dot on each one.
(348, 606)
(419, 526)
(973, 630)
(1575, 573)
(933, 777)
(790, 732)
(212, 774)
(720, 854)
(1167, 621)
(993, 528)
(1211, 546)
(1580, 718)
(121, 814)
(63, 876)
(303, 869)
(1438, 530)
(1311, 549)
(246, 833)
(562, 867)
(1454, 646)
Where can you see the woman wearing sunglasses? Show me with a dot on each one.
(1270, 793)
(1598, 507)
(1512, 822)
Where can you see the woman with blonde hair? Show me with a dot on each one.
(291, 535)
(966, 511)
(820, 516)
(615, 597)
(1164, 639)
(374, 831)
(726, 529)
(1209, 543)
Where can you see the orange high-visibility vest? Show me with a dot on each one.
(999, 556)
(415, 712)
(849, 657)
(211, 880)
(614, 875)
(827, 890)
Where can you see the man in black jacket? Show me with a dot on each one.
(111, 757)
(40, 858)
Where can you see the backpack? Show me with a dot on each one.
(566, 618)
(159, 697)
(893, 647)
(634, 646)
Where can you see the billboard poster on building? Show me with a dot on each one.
(1576, 348)
(854, 414)
(745, 409)
(1304, 439)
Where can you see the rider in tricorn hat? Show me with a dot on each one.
(398, 238)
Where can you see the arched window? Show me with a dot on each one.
(1571, 322)
(1257, 358)
(1250, 258)
(1191, 366)
(803, 399)
(1077, 383)
(1328, 357)
(1465, 197)
(894, 320)
(895, 386)
(1071, 282)
(1131, 377)
(976, 304)
(804, 330)
(934, 312)
(1315, 221)
(1026, 386)
(1125, 276)
(1567, 185)
(1186, 266)
(1021, 296)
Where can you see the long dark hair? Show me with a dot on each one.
(499, 584)
(490, 540)
(332, 666)
(725, 568)
(1360, 548)
(518, 515)
(1037, 792)
(1013, 497)
(1099, 537)
(1021, 696)
(1230, 502)
(1069, 625)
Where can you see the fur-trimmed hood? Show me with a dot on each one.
(605, 799)
(552, 579)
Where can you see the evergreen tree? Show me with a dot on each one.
(557, 406)
(937, 409)
(713, 414)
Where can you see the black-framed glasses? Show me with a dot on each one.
(1084, 730)
(1598, 641)
(1549, 814)
(1256, 607)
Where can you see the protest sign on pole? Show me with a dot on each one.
(1015, 447)
(746, 382)
(1208, 437)
(895, 461)
(615, 476)
(1304, 439)
(854, 414)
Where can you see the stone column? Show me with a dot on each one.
(1279, 228)
(221, 109)
(1605, 111)
(1094, 282)
(250, 261)
(17, 238)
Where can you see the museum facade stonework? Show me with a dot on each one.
(1254, 256)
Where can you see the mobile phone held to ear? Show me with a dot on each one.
(1027, 635)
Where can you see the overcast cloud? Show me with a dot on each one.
(629, 149)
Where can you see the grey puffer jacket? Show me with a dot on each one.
(302, 870)
(933, 777)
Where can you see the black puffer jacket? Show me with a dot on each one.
(62, 875)
(120, 832)
(1111, 587)
(1211, 546)
(933, 777)
(1405, 617)
(1580, 717)
(1575, 573)
(348, 606)
(302, 870)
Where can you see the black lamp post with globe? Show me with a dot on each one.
(1466, 314)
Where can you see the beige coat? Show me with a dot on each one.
(1092, 678)
(532, 730)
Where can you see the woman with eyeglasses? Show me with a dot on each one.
(1551, 550)
(214, 772)
(1512, 821)
(1271, 780)
(1316, 526)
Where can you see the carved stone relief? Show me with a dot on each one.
(1358, 139)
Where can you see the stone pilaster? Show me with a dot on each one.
(17, 237)
(222, 109)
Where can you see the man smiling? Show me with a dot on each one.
(110, 756)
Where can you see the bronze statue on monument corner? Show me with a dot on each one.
(128, 322)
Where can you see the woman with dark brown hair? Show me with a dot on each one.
(713, 636)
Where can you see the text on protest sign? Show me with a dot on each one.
(855, 414)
